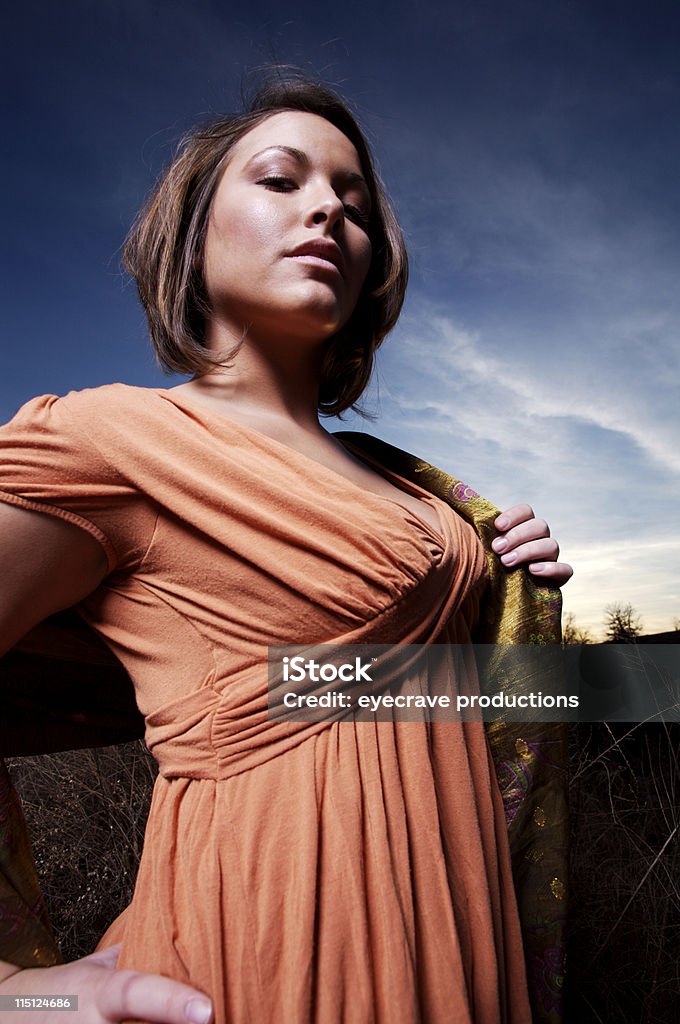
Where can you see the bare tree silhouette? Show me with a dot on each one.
(573, 634)
(622, 623)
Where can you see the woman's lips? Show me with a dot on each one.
(320, 252)
(316, 261)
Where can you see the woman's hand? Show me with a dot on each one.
(106, 995)
(527, 539)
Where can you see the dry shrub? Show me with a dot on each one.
(624, 949)
(86, 812)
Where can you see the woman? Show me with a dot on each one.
(326, 873)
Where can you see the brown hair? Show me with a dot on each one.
(164, 248)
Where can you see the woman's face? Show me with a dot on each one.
(286, 251)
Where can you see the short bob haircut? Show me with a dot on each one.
(164, 249)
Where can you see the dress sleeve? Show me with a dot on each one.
(50, 463)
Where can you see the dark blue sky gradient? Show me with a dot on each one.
(532, 150)
(99, 92)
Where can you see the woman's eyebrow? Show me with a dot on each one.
(297, 154)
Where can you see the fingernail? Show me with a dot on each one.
(509, 558)
(501, 522)
(538, 567)
(499, 544)
(198, 1011)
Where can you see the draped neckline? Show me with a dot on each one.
(289, 452)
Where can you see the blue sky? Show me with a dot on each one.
(532, 152)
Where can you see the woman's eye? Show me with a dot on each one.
(281, 183)
(357, 215)
(278, 182)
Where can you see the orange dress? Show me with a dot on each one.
(329, 872)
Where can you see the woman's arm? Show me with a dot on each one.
(47, 564)
(526, 540)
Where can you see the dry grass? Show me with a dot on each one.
(87, 809)
(624, 955)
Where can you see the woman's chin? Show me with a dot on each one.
(315, 320)
(325, 301)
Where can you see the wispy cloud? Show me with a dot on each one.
(599, 466)
(634, 415)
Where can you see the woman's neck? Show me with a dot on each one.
(265, 386)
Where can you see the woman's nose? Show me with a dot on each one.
(326, 208)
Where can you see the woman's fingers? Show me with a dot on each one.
(107, 995)
(513, 516)
(151, 997)
(556, 572)
(124, 994)
(536, 530)
(525, 540)
(545, 549)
